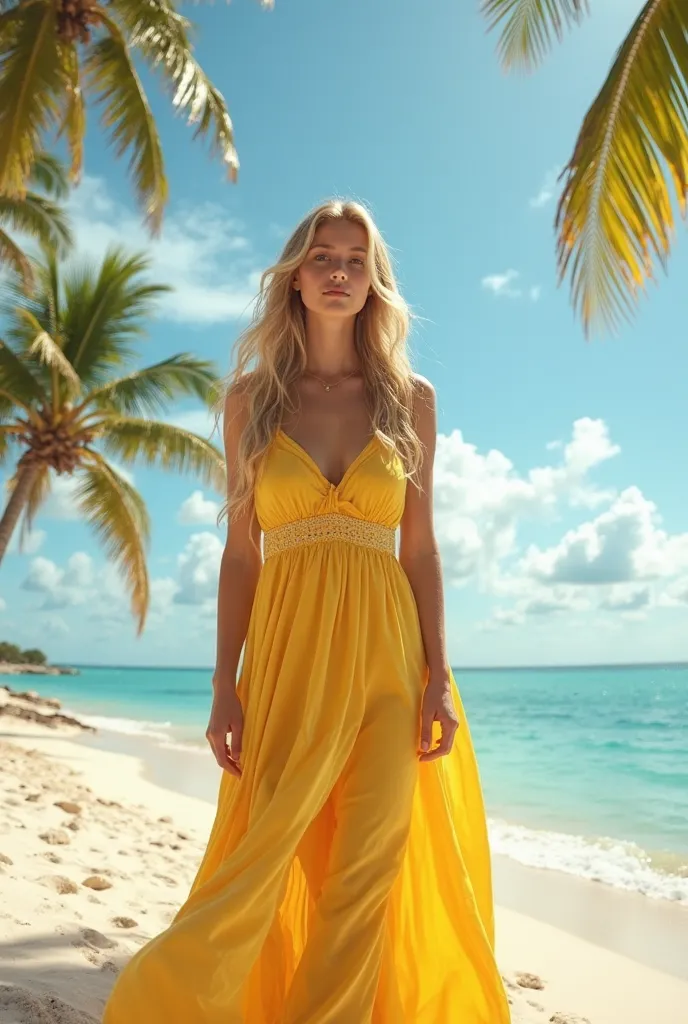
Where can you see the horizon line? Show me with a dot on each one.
(454, 668)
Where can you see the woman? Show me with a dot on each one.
(347, 875)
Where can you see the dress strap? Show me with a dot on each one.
(327, 527)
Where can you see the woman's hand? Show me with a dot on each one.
(226, 716)
(438, 706)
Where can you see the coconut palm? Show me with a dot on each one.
(56, 54)
(70, 400)
(36, 215)
(615, 216)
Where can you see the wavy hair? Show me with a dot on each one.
(271, 353)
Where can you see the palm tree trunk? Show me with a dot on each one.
(15, 506)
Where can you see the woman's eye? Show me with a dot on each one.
(358, 260)
(322, 256)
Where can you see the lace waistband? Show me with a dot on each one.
(331, 526)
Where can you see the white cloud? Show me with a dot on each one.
(202, 252)
(508, 286)
(480, 499)
(199, 569)
(61, 588)
(61, 502)
(547, 189)
(31, 543)
(43, 576)
(626, 599)
(3, 604)
(540, 604)
(197, 510)
(625, 544)
(503, 285)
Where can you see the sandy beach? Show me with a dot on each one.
(95, 858)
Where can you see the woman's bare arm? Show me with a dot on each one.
(239, 571)
(420, 558)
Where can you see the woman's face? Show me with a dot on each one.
(334, 279)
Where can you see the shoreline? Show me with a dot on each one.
(11, 668)
(179, 759)
(50, 931)
(649, 931)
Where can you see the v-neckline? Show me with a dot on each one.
(314, 465)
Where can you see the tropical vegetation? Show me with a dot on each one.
(56, 55)
(13, 654)
(629, 168)
(72, 402)
(36, 215)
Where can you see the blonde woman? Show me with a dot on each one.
(347, 876)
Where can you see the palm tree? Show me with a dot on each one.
(54, 54)
(615, 216)
(66, 405)
(35, 215)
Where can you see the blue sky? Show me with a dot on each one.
(561, 504)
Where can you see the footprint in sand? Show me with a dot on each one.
(526, 980)
(568, 1018)
(97, 939)
(125, 922)
(55, 837)
(4, 859)
(91, 943)
(166, 879)
(53, 857)
(59, 883)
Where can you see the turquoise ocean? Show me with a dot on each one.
(584, 770)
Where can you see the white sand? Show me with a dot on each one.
(62, 942)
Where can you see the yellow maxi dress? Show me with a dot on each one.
(344, 882)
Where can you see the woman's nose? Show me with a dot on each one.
(338, 274)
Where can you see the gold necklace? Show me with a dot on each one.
(325, 384)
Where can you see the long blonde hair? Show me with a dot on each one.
(271, 353)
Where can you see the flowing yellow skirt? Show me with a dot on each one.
(344, 882)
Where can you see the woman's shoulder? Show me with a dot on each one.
(423, 389)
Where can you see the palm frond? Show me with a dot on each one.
(160, 34)
(149, 390)
(38, 494)
(117, 513)
(8, 432)
(154, 443)
(31, 80)
(105, 310)
(615, 218)
(47, 351)
(14, 257)
(73, 125)
(529, 27)
(48, 174)
(17, 382)
(39, 217)
(127, 116)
